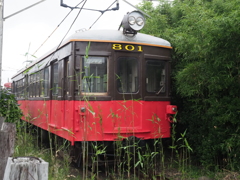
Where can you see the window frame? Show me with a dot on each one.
(46, 82)
(137, 81)
(159, 90)
(106, 58)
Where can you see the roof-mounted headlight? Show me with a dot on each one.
(133, 22)
(140, 21)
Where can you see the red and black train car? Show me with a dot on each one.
(100, 85)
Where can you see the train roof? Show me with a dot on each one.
(115, 36)
(118, 36)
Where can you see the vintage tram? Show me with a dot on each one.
(100, 85)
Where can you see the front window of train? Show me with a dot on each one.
(94, 74)
(127, 75)
(155, 76)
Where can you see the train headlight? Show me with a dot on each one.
(140, 21)
(133, 22)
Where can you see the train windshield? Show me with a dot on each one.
(155, 76)
(94, 74)
(127, 75)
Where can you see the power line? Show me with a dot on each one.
(67, 31)
(103, 13)
(71, 24)
(56, 28)
(76, 7)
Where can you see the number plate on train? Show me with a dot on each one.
(127, 47)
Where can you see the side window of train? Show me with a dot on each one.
(155, 76)
(25, 86)
(22, 87)
(94, 74)
(37, 85)
(127, 75)
(34, 85)
(31, 86)
(46, 82)
(41, 83)
(17, 89)
(55, 87)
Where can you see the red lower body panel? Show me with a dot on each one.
(99, 120)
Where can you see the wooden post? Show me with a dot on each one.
(26, 168)
(2, 119)
(7, 140)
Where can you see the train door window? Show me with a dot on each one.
(127, 75)
(67, 80)
(55, 79)
(46, 81)
(94, 74)
(155, 76)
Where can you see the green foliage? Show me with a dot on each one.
(206, 68)
(9, 107)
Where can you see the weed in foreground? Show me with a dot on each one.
(59, 166)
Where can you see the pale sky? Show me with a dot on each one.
(29, 29)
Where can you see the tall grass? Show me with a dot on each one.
(27, 144)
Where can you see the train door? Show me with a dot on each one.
(54, 101)
(59, 94)
(127, 91)
(67, 104)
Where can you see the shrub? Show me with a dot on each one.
(9, 107)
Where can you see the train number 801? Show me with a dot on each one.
(126, 47)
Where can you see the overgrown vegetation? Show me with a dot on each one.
(147, 163)
(131, 162)
(29, 145)
(206, 60)
(9, 107)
